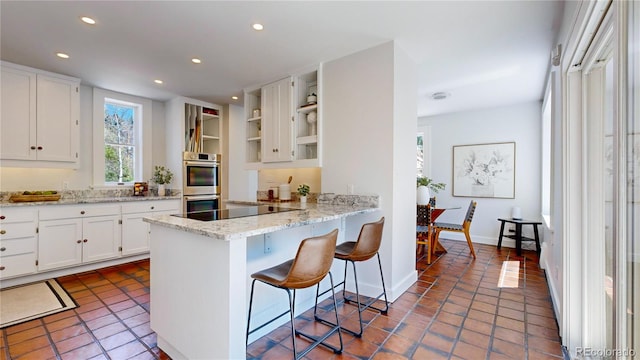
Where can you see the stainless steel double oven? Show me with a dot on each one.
(200, 181)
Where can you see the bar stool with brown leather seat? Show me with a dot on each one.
(363, 249)
(311, 264)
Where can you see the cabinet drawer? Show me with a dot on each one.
(77, 211)
(150, 206)
(17, 246)
(16, 215)
(17, 265)
(18, 230)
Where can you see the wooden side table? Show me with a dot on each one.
(518, 236)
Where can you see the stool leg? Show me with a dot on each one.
(384, 290)
(501, 232)
(253, 283)
(519, 239)
(292, 303)
(535, 232)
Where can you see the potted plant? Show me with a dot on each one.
(162, 176)
(303, 191)
(424, 186)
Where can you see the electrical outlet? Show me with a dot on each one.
(65, 185)
(350, 189)
(267, 243)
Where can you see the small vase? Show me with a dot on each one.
(303, 199)
(161, 190)
(312, 119)
(422, 195)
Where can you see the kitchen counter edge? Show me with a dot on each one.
(243, 227)
(89, 201)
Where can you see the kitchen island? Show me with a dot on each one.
(200, 272)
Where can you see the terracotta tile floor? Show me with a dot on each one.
(454, 311)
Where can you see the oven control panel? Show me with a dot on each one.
(194, 156)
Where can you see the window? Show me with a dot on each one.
(423, 156)
(121, 139)
(120, 124)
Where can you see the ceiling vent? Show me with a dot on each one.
(440, 95)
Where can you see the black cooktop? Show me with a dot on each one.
(211, 215)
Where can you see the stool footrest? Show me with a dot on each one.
(319, 341)
(268, 322)
(368, 304)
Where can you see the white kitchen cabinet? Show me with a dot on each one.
(136, 232)
(283, 134)
(75, 234)
(277, 121)
(40, 116)
(191, 125)
(18, 239)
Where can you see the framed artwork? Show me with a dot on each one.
(484, 170)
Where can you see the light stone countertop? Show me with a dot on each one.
(96, 200)
(238, 228)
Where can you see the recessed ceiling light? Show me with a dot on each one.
(196, 61)
(88, 20)
(440, 95)
(234, 97)
(158, 81)
(62, 55)
(257, 26)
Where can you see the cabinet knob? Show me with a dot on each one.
(2, 217)
(85, 240)
(78, 241)
(2, 232)
(39, 147)
(33, 148)
(82, 212)
(3, 248)
(1, 268)
(153, 207)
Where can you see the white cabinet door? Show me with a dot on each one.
(135, 234)
(40, 115)
(18, 114)
(135, 231)
(57, 129)
(60, 243)
(101, 238)
(277, 124)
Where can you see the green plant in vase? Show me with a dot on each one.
(303, 191)
(162, 176)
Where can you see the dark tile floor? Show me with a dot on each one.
(454, 311)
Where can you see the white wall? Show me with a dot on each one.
(242, 183)
(18, 179)
(518, 123)
(369, 130)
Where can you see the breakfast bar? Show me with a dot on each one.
(200, 271)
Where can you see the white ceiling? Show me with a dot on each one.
(485, 53)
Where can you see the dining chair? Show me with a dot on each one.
(463, 228)
(424, 229)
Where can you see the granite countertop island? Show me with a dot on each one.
(243, 227)
(200, 271)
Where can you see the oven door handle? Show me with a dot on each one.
(201, 197)
(201, 163)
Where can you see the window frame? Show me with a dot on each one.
(142, 157)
